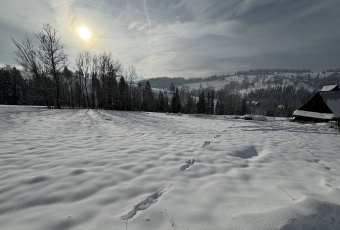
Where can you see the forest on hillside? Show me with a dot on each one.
(108, 91)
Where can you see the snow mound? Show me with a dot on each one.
(245, 153)
(314, 214)
(307, 213)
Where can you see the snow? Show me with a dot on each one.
(93, 169)
(329, 88)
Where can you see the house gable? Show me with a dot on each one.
(324, 105)
(332, 99)
(316, 104)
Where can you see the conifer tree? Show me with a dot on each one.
(201, 104)
(211, 104)
(175, 102)
(166, 103)
(124, 101)
(160, 102)
(208, 104)
(148, 98)
(190, 104)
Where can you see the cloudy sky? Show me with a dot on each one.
(186, 37)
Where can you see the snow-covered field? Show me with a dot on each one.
(79, 169)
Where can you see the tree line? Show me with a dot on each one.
(106, 89)
(272, 71)
(279, 100)
(164, 82)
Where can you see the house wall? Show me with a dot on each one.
(335, 107)
(309, 119)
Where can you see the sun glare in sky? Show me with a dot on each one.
(84, 33)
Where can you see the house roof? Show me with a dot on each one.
(327, 88)
(324, 104)
(332, 100)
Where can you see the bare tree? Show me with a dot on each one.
(108, 66)
(94, 72)
(131, 76)
(52, 56)
(109, 70)
(27, 56)
(84, 62)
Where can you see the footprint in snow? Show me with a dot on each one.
(187, 165)
(318, 162)
(217, 136)
(325, 167)
(206, 143)
(146, 203)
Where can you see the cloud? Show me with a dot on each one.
(63, 13)
(188, 37)
(247, 6)
(16, 20)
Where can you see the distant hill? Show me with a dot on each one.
(276, 92)
(251, 80)
(165, 82)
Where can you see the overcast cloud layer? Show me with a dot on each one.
(186, 37)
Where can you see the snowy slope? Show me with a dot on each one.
(79, 169)
(287, 79)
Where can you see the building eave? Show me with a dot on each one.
(323, 116)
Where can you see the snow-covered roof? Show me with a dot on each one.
(255, 103)
(303, 113)
(330, 88)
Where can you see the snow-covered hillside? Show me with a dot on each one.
(79, 169)
(262, 81)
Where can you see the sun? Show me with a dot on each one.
(84, 33)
